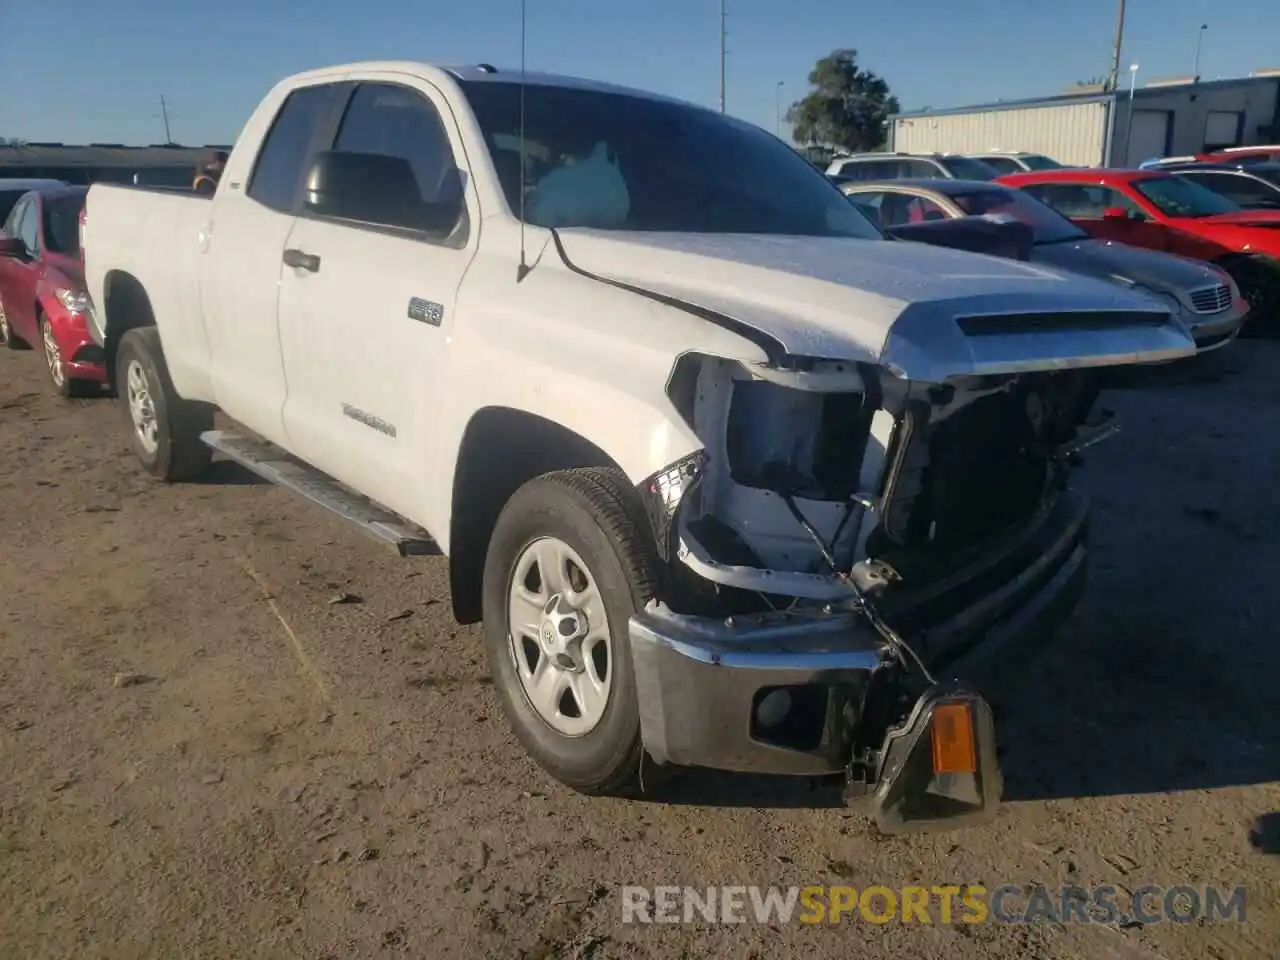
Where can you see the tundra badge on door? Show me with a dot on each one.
(424, 311)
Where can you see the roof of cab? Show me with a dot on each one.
(946, 187)
(479, 73)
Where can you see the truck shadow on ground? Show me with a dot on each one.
(228, 473)
(1265, 836)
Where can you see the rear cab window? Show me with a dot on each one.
(1002, 165)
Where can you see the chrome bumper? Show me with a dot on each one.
(1210, 333)
(701, 682)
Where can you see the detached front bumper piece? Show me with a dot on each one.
(771, 693)
(812, 692)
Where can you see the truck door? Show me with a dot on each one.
(371, 270)
(240, 271)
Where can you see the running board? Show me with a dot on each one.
(271, 463)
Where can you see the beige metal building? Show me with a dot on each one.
(1093, 128)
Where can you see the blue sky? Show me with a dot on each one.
(88, 70)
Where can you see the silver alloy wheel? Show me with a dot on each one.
(141, 408)
(4, 325)
(52, 355)
(559, 637)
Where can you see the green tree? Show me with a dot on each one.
(847, 108)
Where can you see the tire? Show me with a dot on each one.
(592, 512)
(1259, 283)
(168, 441)
(7, 337)
(65, 386)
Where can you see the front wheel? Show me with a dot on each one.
(568, 564)
(65, 385)
(164, 429)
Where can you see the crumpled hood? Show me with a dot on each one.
(1159, 271)
(840, 298)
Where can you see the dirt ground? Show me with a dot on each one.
(202, 755)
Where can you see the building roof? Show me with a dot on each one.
(1090, 95)
(103, 155)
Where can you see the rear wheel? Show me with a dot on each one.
(567, 566)
(164, 429)
(65, 385)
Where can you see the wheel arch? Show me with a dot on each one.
(502, 449)
(125, 306)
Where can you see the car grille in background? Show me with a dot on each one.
(1211, 299)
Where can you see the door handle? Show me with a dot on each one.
(296, 258)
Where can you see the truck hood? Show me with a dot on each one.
(1116, 261)
(928, 313)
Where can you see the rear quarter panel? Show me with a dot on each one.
(155, 237)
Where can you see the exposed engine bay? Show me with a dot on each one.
(831, 481)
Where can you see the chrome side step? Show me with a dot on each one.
(271, 463)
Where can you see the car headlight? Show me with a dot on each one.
(76, 301)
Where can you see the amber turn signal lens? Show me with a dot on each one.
(952, 735)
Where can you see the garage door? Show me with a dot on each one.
(1148, 135)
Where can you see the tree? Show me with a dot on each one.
(847, 107)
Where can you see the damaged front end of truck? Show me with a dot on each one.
(856, 543)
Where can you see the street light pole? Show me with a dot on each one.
(1128, 127)
(1195, 67)
(777, 110)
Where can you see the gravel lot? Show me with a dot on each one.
(201, 755)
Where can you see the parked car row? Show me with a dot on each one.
(733, 477)
(1224, 214)
(43, 301)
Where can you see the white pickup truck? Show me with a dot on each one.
(732, 479)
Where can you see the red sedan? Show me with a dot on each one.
(42, 293)
(1162, 211)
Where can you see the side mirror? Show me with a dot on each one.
(1116, 213)
(13, 248)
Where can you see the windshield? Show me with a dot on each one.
(1179, 197)
(966, 168)
(1035, 161)
(615, 161)
(62, 223)
(1047, 225)
(8, 200)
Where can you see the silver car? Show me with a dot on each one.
(1204, 298)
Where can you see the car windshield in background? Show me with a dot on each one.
(1178, 197)
(8, 200)
(1035, 161)
(967, 168)
(62, 223)
(615, 161)
(1047, 225)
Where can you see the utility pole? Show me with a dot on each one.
(1115, 50)
(1195, 68)
(724, 16)
(1112, 81)
(164, 113)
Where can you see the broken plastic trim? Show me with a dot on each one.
(662, 494)
(920, 787)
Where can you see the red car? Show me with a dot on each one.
(42, 293)
(1261, 154)
(1162, 211)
